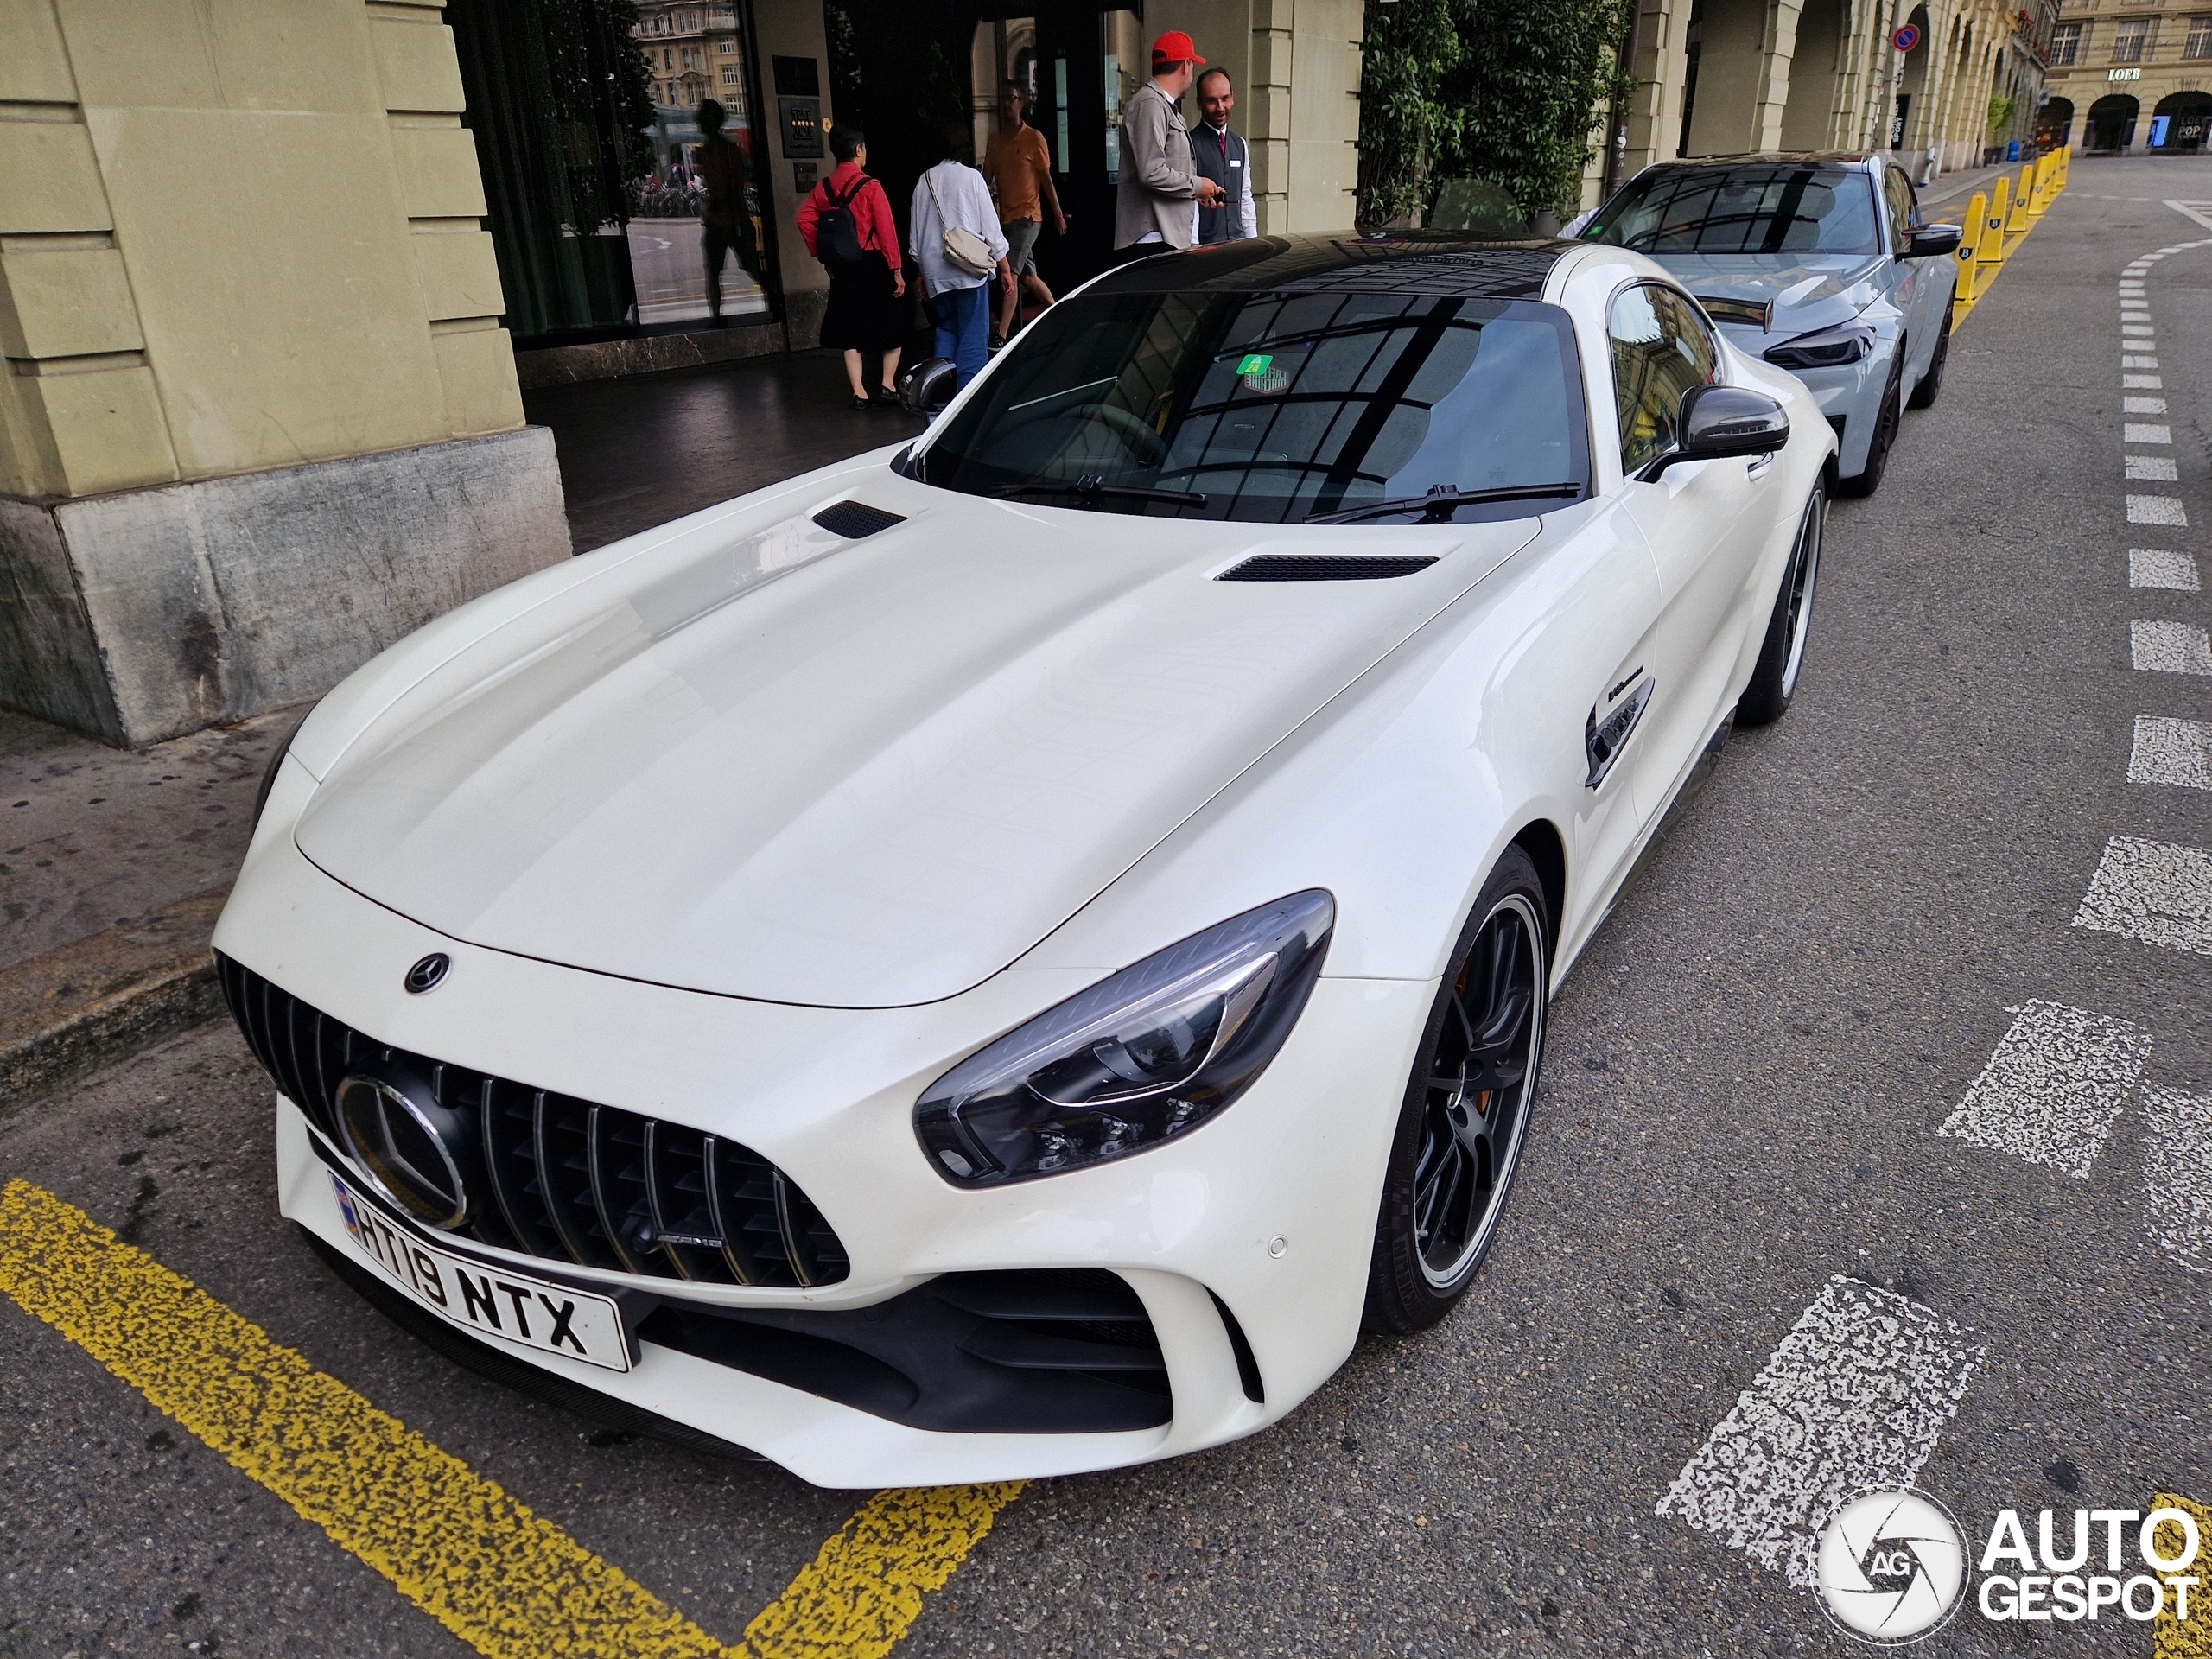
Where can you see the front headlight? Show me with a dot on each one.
(1139, 1059)
(1831, 348)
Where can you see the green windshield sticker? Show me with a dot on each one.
(1256, 364)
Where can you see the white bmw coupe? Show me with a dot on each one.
(1003, 958)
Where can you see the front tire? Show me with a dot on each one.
(1466, 1111)
(1774, 680)
(1868, 479)
(1923, 394)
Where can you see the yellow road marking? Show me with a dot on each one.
(509, 1584)
(2170, 1637)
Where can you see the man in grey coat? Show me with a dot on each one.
(1161, 191)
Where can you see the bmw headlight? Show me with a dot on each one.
(1139, 1059)
(1830, 348)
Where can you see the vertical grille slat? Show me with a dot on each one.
(570, 1179)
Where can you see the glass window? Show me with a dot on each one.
(1764, 208)
(1278, 407)
(2199, 44)
(2066, 43)
(1903, 204)
(1120, 40)
(1660, 349)
(2127, 38)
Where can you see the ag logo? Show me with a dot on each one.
(1892, 1568)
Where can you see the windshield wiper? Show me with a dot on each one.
(1442, 501)
(1093, 486)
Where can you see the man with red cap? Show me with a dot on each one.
(1161, 191)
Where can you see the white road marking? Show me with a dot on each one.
(2142, 405)
(2051, 1090)
(2154, 567)
(1853, 1397)
(2152, 470)
(2137, 363)
(2144, 432)
(2152, 892)
(2156, 510)
(2139, 331)
(2170, 647)
(2140, 382)
(2178, 1174)
(2169, 751)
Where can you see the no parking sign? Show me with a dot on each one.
(1906, 38)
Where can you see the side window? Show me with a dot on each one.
(1904, 208)
(1660, 349)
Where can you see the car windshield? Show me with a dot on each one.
(1804, 208)
(1275, 408)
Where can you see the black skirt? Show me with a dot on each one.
(865, 315)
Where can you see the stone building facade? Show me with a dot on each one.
(1716, 77)
(2131, 76)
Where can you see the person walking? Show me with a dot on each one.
(1222, 157)
(726, 219)
(957, 246)
(1019, 170)
(1159, 193)
(846, 223)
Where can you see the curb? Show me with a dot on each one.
(89, 1004)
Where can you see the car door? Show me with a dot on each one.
(1699, 520)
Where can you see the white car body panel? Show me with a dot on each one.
(485, 788)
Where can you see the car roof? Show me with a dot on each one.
(1450, 264)
(1770, 158)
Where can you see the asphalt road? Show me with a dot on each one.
(1740, 1103)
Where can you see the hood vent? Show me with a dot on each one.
(1326, 566)
(855, 519)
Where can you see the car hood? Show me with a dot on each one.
(1802, 291)
(862, 773)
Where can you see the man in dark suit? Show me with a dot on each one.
(1222, 157)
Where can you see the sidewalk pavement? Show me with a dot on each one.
(114, 864)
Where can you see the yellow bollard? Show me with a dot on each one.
(2016, 219)
(2039, 198)
(1970, 235)
(1989, 247)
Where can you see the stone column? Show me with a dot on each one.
(260, 418)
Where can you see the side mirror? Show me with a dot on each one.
(1932, 242)
(924, 388)
(1719, 423)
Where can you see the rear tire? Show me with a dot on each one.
(1774, 680)
(1923, 394)
(1465, 1115)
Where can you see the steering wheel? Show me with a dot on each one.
(1147, 445)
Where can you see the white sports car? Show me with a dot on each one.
(1001, 959)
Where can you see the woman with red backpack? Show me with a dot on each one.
(846, 223)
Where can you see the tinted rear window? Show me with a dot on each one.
(1765, 209)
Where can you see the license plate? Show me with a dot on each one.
(484, 1299)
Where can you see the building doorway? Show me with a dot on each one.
(2054, 124)
(2177, 125)
(2111, 126)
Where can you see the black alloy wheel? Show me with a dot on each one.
(1923, 394)
(1869, 478)
(1466, 1112)
(1781, 657)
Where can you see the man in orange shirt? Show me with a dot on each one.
(1020, 169)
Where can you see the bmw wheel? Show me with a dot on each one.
(1774, 680)
(1868, 479)
(1466, 1111)
(1923, 394)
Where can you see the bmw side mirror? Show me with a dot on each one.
(1719, 423)
(927, 386)
(1932, 241)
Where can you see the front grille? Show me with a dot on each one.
(571, 1180)
(1057, 1351)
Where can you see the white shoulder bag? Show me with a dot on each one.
(964, 249)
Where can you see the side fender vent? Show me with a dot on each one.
(1326, 566)
(856, 518)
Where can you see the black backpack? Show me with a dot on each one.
(836, 232)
